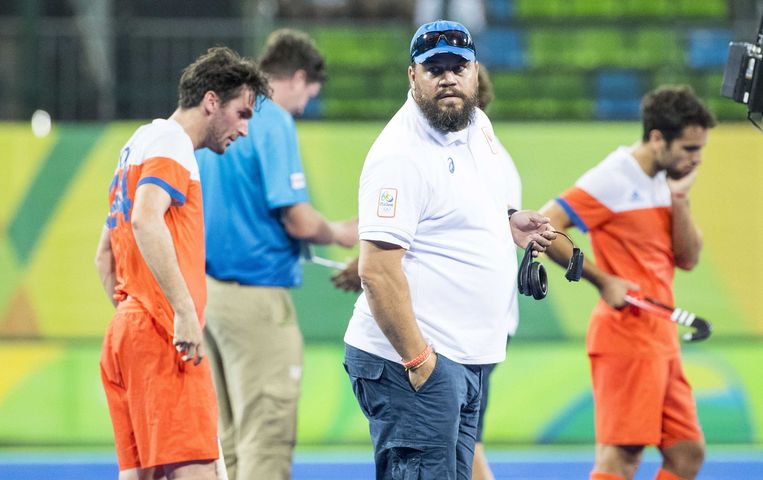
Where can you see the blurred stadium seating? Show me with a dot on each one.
(553, 59)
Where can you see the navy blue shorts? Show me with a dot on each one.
(486, 371)
(424, 434)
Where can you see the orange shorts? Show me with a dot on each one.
(163, 409)
(642, 401)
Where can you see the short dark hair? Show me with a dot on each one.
(484, 88)
(287, 51)
(670, 109)
(222, 71)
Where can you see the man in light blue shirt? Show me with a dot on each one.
(257, 213)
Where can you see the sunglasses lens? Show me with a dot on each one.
(456, 38)
(429, 40)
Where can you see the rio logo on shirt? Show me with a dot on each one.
(387, 202)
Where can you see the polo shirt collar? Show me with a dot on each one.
(443, 138)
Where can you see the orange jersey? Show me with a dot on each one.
(628, 215)
(161, 154)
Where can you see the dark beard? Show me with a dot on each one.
(675, 174)
(448, 119)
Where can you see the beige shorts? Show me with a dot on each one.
(255, 350)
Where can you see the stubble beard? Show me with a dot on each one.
(672, 171)
(675, 174)
(213, 140)
(449, 118)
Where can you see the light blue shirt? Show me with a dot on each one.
(244, 190)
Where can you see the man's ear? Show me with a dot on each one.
(655, 136)
(656, 141)
(299, 76)
(411, 75)
(210, 102)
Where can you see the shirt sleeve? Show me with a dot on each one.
(391, 200)
(593, 200)
(166, 166)
(585, 211)
(280, 162)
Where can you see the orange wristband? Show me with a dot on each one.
(420, 359)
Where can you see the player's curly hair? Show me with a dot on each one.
(670, 109)
(287, 51)
(222, 71)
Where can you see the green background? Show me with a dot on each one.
(53, 200)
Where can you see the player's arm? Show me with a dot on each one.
(104, 263)
(303, 222)
(612, 289)
(687, 239)
(157, 248)
(389, 297)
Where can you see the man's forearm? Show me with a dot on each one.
(389, 297)
(104, 263)
(155, 245)
(303, 222)
(560, 252)
(319, 232)
(687, 241)
(391, 306)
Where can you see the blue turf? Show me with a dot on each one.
(747, 470)
(45, 467)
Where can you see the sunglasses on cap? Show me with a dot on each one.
(429, 40)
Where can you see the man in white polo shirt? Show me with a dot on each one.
(438, 265)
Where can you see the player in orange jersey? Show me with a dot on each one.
(151, 262)
(635, 204)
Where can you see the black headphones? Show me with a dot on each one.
(532, 278)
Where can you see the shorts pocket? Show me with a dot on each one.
(420, 462)
(405, 464)
(433, 379)
(367, 386)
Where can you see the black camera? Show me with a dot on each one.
(743, 76)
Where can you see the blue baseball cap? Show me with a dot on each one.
(453, 38)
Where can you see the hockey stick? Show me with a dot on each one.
(702, 328)
(309, 256)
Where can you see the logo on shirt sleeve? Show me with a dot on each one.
(297, 180)
(387, 202)
(490, 140)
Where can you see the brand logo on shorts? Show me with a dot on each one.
(387, 202)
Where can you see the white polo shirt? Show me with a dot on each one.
(443, 197)
(515, 201)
